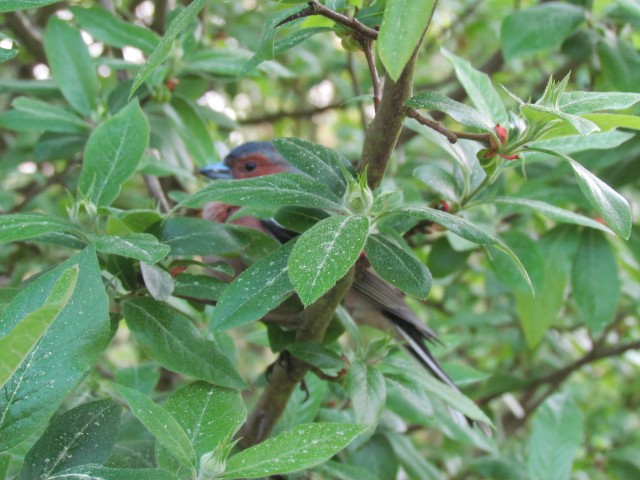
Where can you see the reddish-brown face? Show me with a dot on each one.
(254, 165)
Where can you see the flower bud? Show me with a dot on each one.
(358, 197)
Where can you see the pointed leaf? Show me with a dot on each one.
(325, 253)
(317, 161)
(161, 424)
(85, 434)
(403, 25)
(71, 65)
(67, 350)
(479, 88)
(366, 389)
(280, 190)
(11, 5)
(19, 342)
(159, 282)
(438, 179)
(304, 446)
(22, 226)
(542, 114)
(141, 246)
(461, 113)
(31, 114)
(209, 415)
(398, 266)
(256, 291)
(585, 102)
(98, 472)
(161, 52)
(113, 153)
(173, 340)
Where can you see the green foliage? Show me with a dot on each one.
(505, 220)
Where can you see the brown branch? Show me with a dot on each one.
(316, 8)
(367, 46)
(303, 113)
(157, 193)
(288, 371)
(160, 16)
(356, 88)
(27, 34)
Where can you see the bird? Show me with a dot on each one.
(379, 301)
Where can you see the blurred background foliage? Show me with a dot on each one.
(576, 371)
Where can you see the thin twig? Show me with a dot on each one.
(452, 136)
(304, 113)
(157, 193)
(356, 87)
(367, 46)
(316, 8)
(160, 16)
(26, 34)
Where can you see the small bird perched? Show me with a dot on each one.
(381, 300)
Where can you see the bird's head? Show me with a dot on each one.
(252, 159)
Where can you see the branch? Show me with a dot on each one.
(367, 47)
(288, 371)
(316, 8)
(157, 193)
(159, 16)
(304, 113)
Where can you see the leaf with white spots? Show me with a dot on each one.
(398, 266)
(209, 415)
(325, 253)
(280, 190)
(463, 228)
(161, 424)
(22, 226)
(302, 447)
(141, 246)
(256, 291)
(315, 160)
(99, 472)
(85, 434)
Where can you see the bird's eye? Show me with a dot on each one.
(250, 166)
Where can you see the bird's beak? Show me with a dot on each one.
(217, 171)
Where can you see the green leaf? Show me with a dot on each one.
(98, 472)
(613, 207)
(11, 5)
(21, 340)
(576, 103)
(554, 213)
(438, 179)
(557, 433)
(202, 287)
(403, 25)
(7, 54)
(255, 292)
(398, 266)
(193, 236)
(266, 49)
(142, 377)
(462, 228)
(461, 113)
(299, 219)
(280, 190)
(539, 28)
(22, 226)
(192, 129)
(71, 65)
(161, 52)
(407, 370)
(595, 282)
(209, 415)
(113, 153)
(141, 246)
(280, 46)
(541, 114)
(315, 160)
(325, 253)
(67, 351)
(85, 434)
(31, 114)
(607, 121)
(158, 281)
(164, 427)
(562, 139)
(316, 354)
(536, 314)
(304, 446)
(173, 340)
(412, 459)
(107, 28)
(367, 391)
(479, 88)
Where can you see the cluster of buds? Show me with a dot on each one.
(488, 156)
